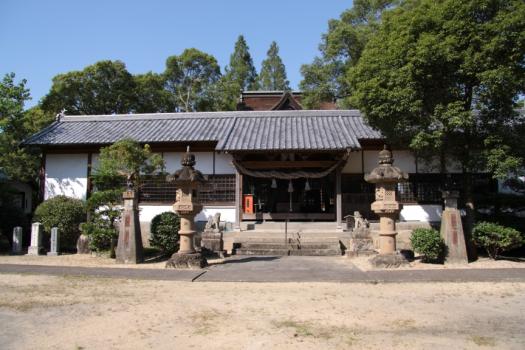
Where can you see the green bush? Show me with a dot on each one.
(104, 209)
(100, 235)
(429, 243)
(65, 213)
(496, 238)
(164, 232)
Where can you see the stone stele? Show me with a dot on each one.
(36, 239)
(386, 176)
(129, 248)
(452, 230)
(54, 242)
(17, 240)
(187, 180)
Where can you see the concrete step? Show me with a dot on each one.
(292, 245)
(291, 226)
(281, 240)
(294, 252)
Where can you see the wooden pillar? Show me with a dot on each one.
(238, 200)
(89, 188)
(42, 178)
(338, 200)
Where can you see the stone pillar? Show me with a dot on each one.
(17, 240)
(129, 248)
(386, 176)
(186, 233)
(452, 230)
(54, 242)
(36, 239)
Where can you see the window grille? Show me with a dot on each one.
(219, 189)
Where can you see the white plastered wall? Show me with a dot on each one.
(148, 212)
(421, 212)
(66, 174)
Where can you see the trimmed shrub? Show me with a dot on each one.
(65, 213)
(104, 210)
(496, 238)
(164, 232)
(429, 243)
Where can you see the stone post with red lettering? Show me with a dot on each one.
(129, 248)
(452, 230)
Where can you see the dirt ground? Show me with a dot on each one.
(44, 312)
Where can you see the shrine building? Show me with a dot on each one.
(270, 160)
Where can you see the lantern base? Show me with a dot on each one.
(187, 261)
(388, 260)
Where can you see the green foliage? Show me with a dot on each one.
(164, 232)
(341, 48)
(273, 73)
(496, 238)
(240, 75)
(15, 125)
(105, 87)
(10, 216)
(241, 69)
(125, 159)
(444, 76)
(65, 213)
(189, 78)
(104, 210)
(151, 97)
(429, 243)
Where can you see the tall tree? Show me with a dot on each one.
(445, 77)
(341, 48)
(151, 96)
(16, 162)
(240, 69)
(273, 73)
(189, 77)
(105, 87)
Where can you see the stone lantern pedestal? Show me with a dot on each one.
(386, 176)
(187, 206)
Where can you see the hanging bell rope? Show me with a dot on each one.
(291, 175)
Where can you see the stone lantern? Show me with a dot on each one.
(187, 206)
(386, 176)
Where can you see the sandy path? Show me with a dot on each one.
(41, 312)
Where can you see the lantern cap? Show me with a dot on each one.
(187, 173)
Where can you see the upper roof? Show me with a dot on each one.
(233, 131)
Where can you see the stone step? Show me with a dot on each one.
(261, 245)
(281, 240)
(294, 252)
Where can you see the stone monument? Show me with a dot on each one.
(187, 206)
(129, 247)
(17, 240)
(36, 239)
(452, 230)
(361, 242)
(386, 176)
(211, 242)
(54, 242)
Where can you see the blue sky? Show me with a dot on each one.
(39, 39)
